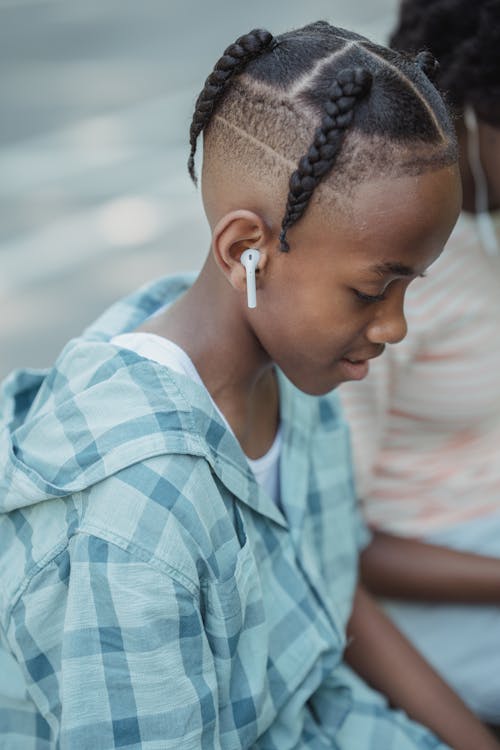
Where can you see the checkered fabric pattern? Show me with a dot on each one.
(154, 596)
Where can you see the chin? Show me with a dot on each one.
(315, 387)
(321, 391)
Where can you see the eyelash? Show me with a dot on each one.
(368, 298)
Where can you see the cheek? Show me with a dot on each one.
(330, 314)
(316, 304)
(313, 328)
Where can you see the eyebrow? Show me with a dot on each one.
(396, 269)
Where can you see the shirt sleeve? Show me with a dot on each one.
(136, 668)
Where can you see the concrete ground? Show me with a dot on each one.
(96, 103)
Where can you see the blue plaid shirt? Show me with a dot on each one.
(153, 595)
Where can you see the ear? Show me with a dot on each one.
(234, 233)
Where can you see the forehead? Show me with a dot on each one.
(389, 221)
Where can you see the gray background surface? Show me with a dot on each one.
(96, 102)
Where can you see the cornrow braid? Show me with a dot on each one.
(350, 85)
(234, 59)
(428, 64)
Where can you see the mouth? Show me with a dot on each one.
(357, 368)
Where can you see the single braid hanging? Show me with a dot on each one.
(233, 61)
(351, 84)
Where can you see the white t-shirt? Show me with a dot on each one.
(165, 352)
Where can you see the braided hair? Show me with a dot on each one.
(350, 84)
(465, 37)
(234, 59)
(323, 97)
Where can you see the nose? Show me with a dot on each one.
(389, 324)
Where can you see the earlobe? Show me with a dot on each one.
(236, 232)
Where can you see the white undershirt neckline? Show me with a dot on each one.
(166, 352)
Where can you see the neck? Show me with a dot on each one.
(209, 324)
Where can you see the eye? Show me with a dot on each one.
(368, 298)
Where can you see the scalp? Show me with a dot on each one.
(318, 110)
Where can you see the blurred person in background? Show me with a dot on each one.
(426, 421)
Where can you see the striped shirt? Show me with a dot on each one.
(155, 597)
(426, 422)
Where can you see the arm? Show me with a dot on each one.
(385, 659)
(136, 667)
(408, 569)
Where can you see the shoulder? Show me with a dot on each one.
(169, 509)
(167, 514)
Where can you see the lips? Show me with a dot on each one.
(356, 366)
(357, 359)
(354, 370)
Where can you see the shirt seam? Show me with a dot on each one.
(130, 548)
(134, 549)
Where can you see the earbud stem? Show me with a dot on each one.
(250, 259)
(251, 290)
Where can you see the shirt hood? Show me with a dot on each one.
(59, 427)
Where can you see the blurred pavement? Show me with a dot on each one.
(96, 104)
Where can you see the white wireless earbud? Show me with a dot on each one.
(250, 259)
